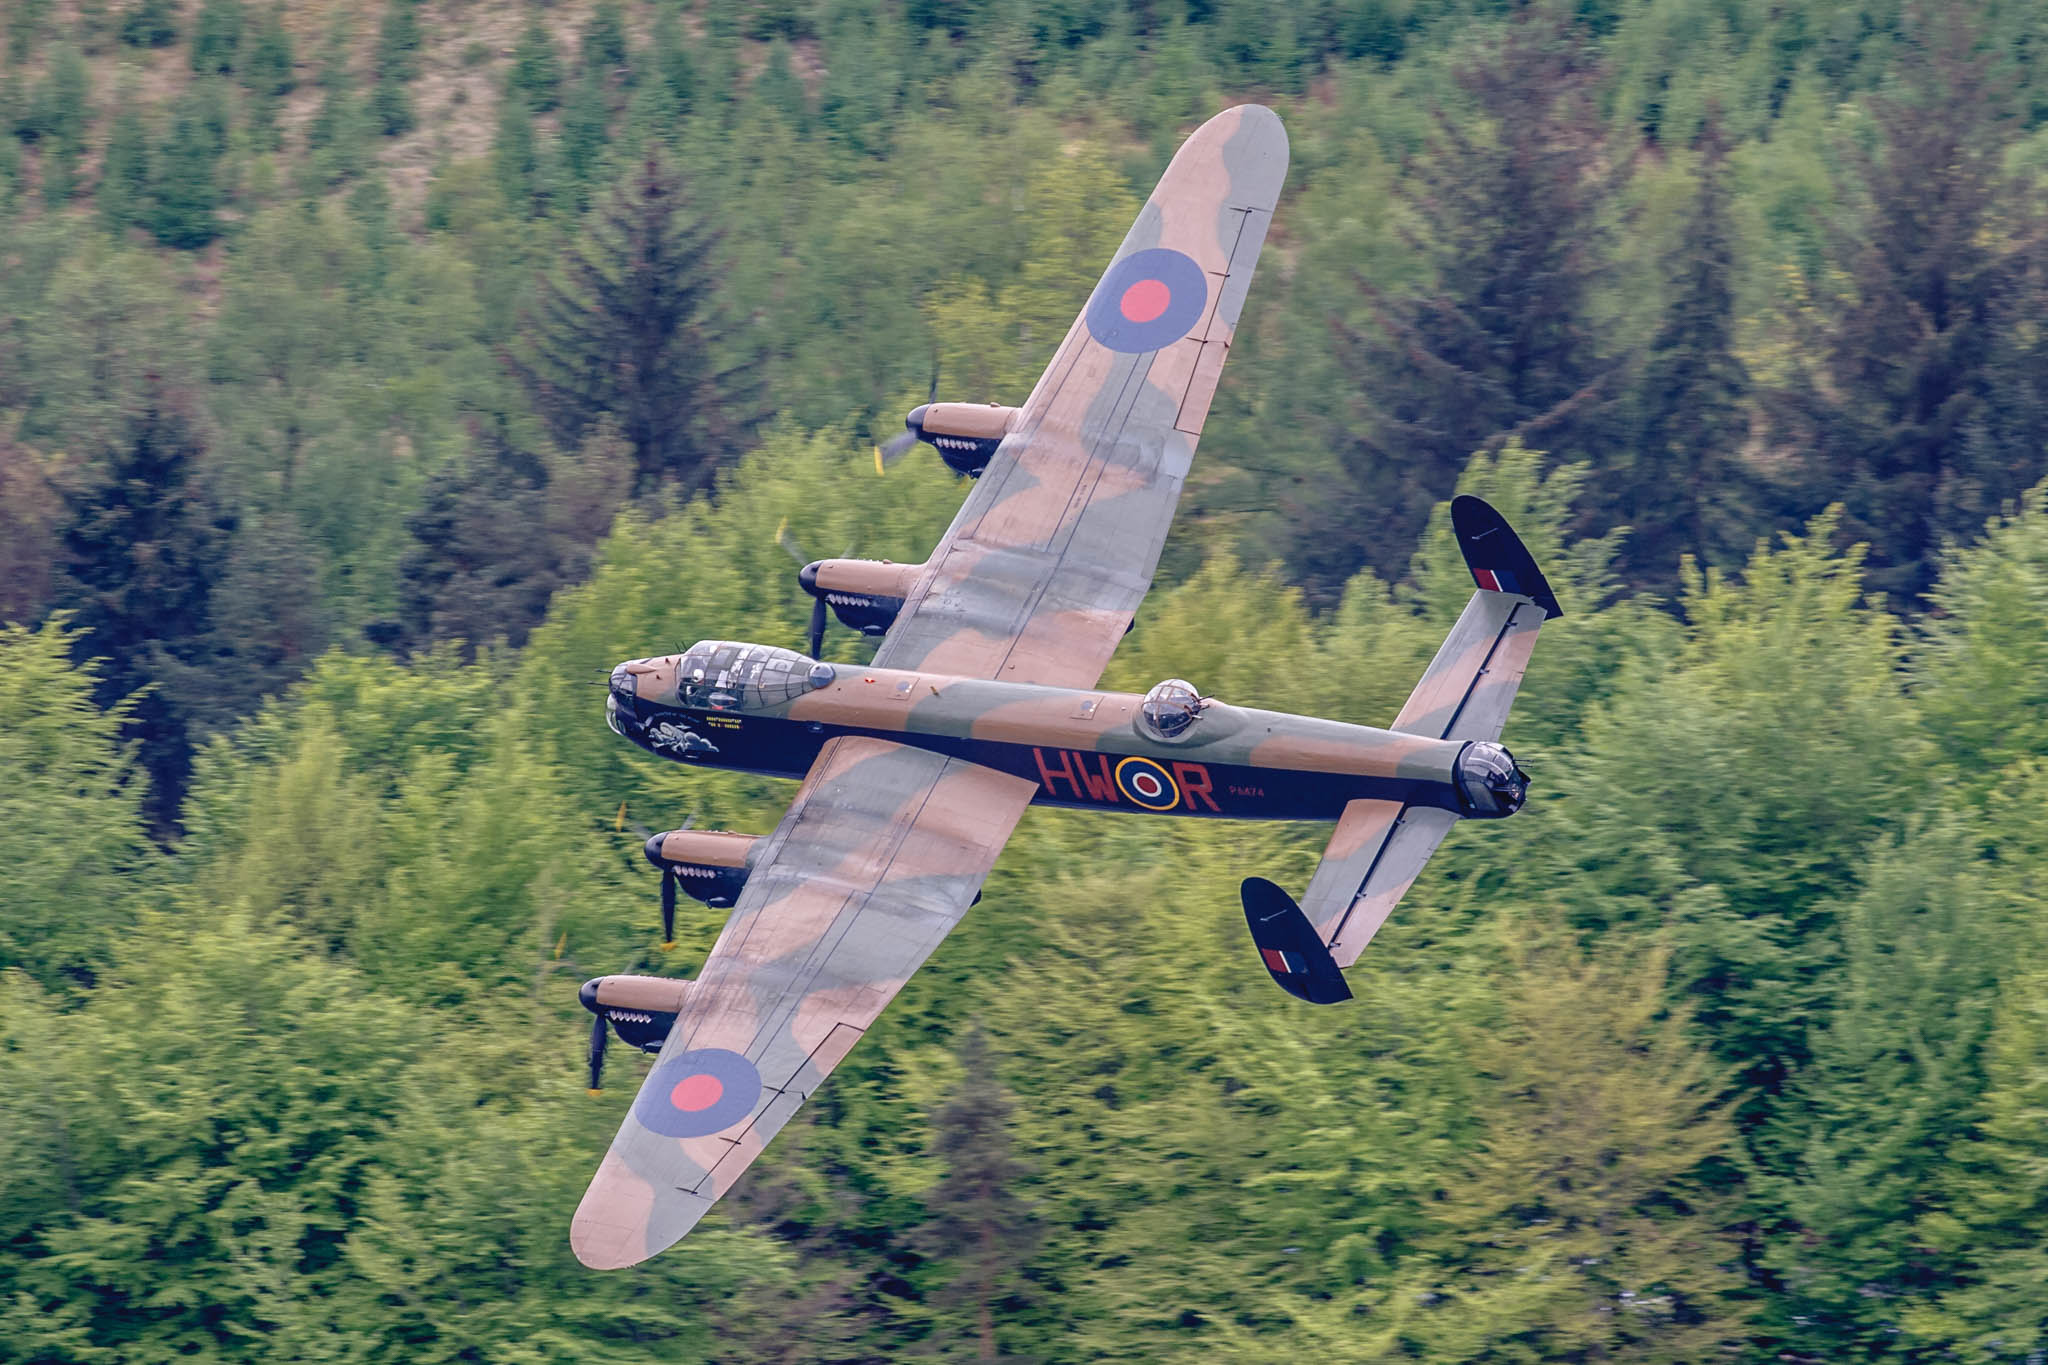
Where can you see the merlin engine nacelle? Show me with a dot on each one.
(709, 864)
(641, 1009)
(865, 594)
(965, 434)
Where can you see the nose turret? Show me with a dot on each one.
(621, 703)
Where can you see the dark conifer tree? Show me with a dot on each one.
(142, 549)
(1895, 420)
(1502, 344)
(517, 158)
(777, 90)
(980, 1228)
(1682, 486)
(627, 325)
(338, 133)
(496, 536)
(269, 621)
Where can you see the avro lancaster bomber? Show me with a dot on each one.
(981, 701)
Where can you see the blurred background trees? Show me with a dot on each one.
(368, 383)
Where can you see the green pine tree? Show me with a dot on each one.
(672, 64)
(979, 1231)
(628, 325)
(142, 547)
(72, 841)
(1684, 489)
(1890, 414)
(150, 23)
(603, 45)
(185, 190)
(268, 71)
(536, 68)
(1504, 341)
(217, 37)
(124, 174)
(585, 121)
(60, 109)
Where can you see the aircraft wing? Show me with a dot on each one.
(1039, 575)
(879, 857)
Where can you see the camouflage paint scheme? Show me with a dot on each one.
(916, 769)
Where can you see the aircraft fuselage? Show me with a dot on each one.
(757, 709)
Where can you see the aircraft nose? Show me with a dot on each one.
(623, 694)
(587, 996)
(653, 849)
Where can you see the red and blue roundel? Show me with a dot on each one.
(1147, 784)
(1148, 300)
(696, 1094)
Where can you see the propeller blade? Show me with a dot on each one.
(788, 542)
(668, 908)
(600, 1032)
(894, 450)
(817, 625)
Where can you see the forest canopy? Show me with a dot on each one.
(335, 349)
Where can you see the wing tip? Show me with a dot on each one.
(624, 1219)
(603, 1246)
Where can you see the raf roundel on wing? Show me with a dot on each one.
(1147, 301)
(696, 1094)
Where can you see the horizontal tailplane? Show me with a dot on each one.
(1379, 847)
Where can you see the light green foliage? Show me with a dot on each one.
(1738, 787)
(1982, 661)
(101, 322)
(994, 342)
(72, 847)
(1763, 952)
(2000, 1184)
(1585, 1221)
(193, 1116)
